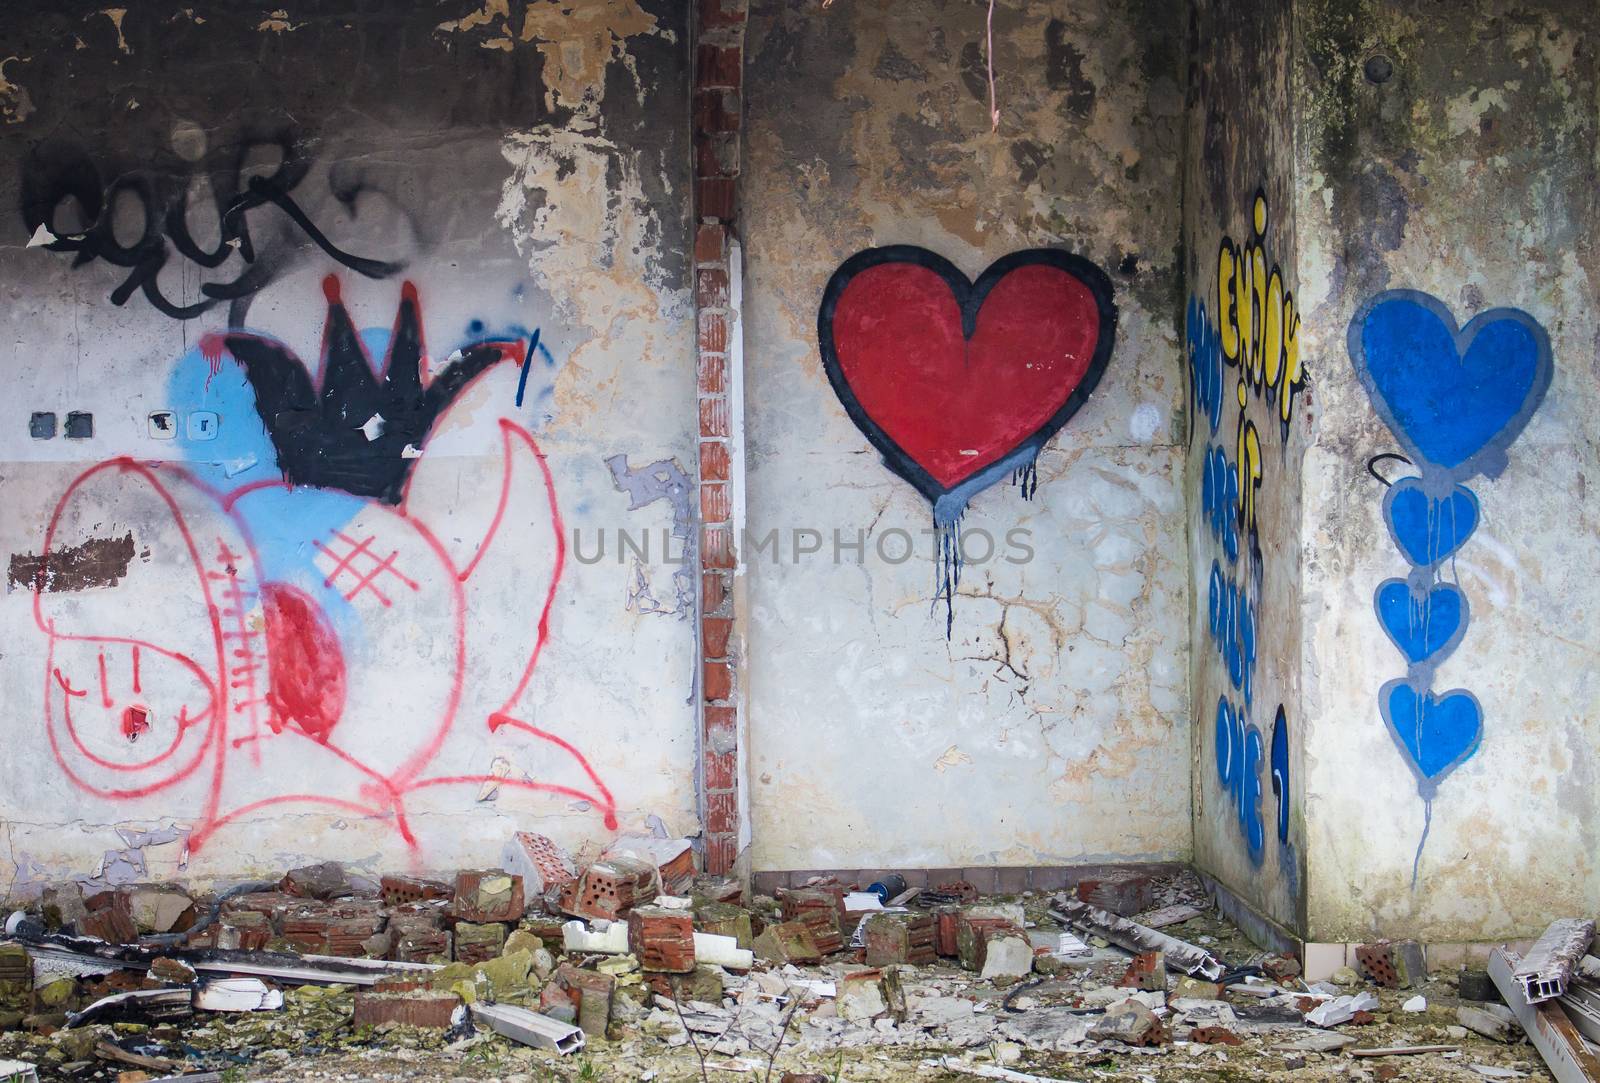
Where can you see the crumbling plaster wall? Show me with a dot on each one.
(1249, 412)
(1052, 725)
(524, 166)
(1467, 169)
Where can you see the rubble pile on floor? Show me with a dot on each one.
(636, 963)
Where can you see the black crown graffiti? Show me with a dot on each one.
(353, 429)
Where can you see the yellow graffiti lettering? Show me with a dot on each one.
(1272, 331)
(1293, 379)
(1227, 317)
(1258, 325)
(1249, 468)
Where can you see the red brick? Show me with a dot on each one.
(714, 199)
(713, 591)
(411, 1009)
(398, 890)
(722, 817)
(716, 111)
(711, 287)
(718, 66)
(472, 904)
(713, 461)
(711, 369)
(713, 332)
(722, 851)
(715, 505)
(716, 546)
(718, 681)
(661, 939)
(720, 726)
(714, 632)
(716, 154)
(719, 770)
(714, 417)
(710, 243)
(721, 13)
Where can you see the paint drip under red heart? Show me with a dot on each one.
(956, 382)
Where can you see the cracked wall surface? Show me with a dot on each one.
(1470, 173)
(190, 199)
(1055, 715)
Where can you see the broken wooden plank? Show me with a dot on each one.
(1549, 965)
(1546, 1023)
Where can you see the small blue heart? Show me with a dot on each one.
(1455, 399)
(1422, 625)
(1428, 530)
(1437, 733)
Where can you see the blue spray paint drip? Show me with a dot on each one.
(1455, 399)
(527, 363)
(1022, 465)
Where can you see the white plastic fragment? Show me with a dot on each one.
(529, 1028)
(717, 950)
(607, 938)
(237, 995)
(1341, 1009)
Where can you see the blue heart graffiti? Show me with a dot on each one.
(1437, 732)
(1424, 625)
(1429, 530)
(1455, 399)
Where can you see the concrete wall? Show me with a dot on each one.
(1050, 724)
(223, 668)
(1468, 173)
(1249, 412)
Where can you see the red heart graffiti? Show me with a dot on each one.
(956, 382)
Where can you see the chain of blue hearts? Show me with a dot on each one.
(1455, 399)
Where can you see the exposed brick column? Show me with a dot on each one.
(718, 82)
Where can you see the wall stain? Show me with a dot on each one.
(98, 562)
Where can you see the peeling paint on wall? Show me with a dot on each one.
(96, 562)
(15, 104)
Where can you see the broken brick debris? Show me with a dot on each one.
(109, 918)
(703, 983)
(900, 938)
(724, 919)
(787, 942)
(673, 860)
(476, 943)
(539, 861)
(1122, 893)
(399, 890)
(1393, 964)
(609, 889)
(975, 935)
(662, 939)
(592, 993)
(946, 929)
(1147, 971)
(487, 895)
(326, 880)
(412, 1007)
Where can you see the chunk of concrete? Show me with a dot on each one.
(1494, 1021)
(1131, 1023)
(1008, 956)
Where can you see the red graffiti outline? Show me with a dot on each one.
(384, 795)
